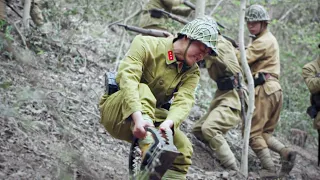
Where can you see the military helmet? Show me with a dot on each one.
(203, 29)
(256, 13)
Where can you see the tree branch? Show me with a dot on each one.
(214, 9)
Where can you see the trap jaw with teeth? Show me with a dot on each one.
(158, 158)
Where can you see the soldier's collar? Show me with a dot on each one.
(262, 33)
(170, 57)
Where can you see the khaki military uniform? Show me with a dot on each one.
(148, 77)
(311, 75)
(35, 12)
(3, 14)
(225, 109)
(263, 56)
(171, 6)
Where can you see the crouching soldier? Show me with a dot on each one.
(225, 110)
(153, 71)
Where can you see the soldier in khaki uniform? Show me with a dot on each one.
(157, 21)
(3, 14)
(5, 43)
(311, 75)
(264, 61)
(36, 13)
(153, 71)
(225, 109)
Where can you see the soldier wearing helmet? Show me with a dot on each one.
(264, 61)
(224, 112)
(153, 71)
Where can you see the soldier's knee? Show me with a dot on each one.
(208, 132)
(257, 143)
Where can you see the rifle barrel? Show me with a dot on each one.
(150, 32)
(189, 4)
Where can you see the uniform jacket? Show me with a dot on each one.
(263, 56)
(150, 60)
(311, 75)
(225, 65)
(170, 6)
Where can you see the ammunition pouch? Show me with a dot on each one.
(312, 111)
(155, 13)
(260, 80)
(166, 106)
(110, 83)
(226, 83)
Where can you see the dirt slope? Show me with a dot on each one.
(49, 120)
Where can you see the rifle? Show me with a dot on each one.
(175, 17)
(150, 32)
(189, 4)
(233, 42)
(241, 95)
(183, 21)
(170, 15)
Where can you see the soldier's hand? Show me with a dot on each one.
(139, 128)
(166, 125)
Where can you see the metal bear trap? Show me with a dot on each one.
(158, 158)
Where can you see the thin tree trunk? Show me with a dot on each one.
(26, 13)
(200, 8)
(245, 67)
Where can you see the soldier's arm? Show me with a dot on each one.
(129, 74)
(183, 11)
(184, 98)
(309, 76)
(255, 51)
(171, 3)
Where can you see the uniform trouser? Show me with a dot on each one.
(316, 122)
(3, 15)
(215, 123)
(116, 119)
(265, 118)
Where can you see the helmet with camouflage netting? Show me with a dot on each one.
(256, 13)
(203, 29)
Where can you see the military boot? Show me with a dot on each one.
(288, 156)
(268, 167)
(266, 160)
(171, 174)
(224, 153)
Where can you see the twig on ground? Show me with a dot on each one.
(96, 115)
(21, 36)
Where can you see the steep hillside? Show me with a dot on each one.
(49, 119)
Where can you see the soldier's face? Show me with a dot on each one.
(196, 52)
(254, 27)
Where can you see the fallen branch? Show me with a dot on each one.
(21, 36)
(96, 115)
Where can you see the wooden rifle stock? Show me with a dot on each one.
(233, 42)
(170, 15)
(150, 32)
